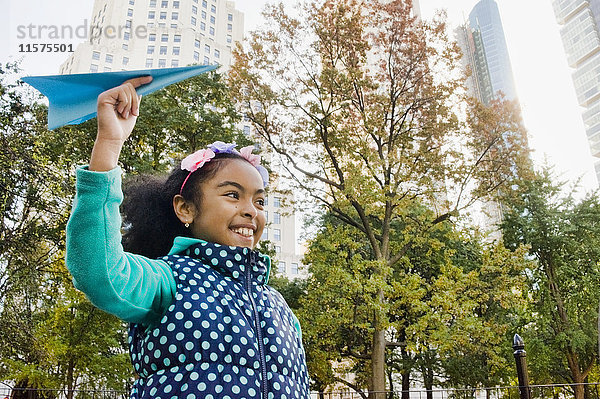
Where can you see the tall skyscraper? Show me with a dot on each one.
(580, 32)
(141, 34)
(486, 54)
(138, 34)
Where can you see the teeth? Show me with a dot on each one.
(243, 231)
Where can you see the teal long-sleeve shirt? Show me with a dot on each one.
(132, 287)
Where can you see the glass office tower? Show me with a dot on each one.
(489, 52)
(580, 22)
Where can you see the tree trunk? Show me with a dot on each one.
(406, 385)
(70, 380)
(378, 365)
(428, 381)
(578, 378)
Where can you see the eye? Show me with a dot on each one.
(233, 194)
(260, 202)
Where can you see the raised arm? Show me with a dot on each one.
(118, 109)
(133, 287)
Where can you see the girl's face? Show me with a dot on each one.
(232, 206)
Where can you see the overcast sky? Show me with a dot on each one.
(542, 77)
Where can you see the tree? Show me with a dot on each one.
(453, 303)
(357, 98)
(564, 239)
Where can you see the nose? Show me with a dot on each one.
(249, 210)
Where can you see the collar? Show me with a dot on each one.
(232, 261)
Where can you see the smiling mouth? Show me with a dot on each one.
(245, 232)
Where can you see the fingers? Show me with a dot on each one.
(128, 101)
(137, 82)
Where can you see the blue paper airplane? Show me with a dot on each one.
(72, 98)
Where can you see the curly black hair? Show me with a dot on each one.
(149, 222)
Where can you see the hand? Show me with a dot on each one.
(118, 109)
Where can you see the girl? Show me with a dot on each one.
(204, 324)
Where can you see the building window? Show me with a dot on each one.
(213, 8)
(126, 36)
(196, 56)
(174, 63)
(107, 69)
(229, 27)
(175, 50)
(266, 200)
(194, 10)
(267, 216)
(164, 37)
(230, 17)
(204, 4)
(217, 54)
(265, 234)
(164, 4)
(125, 46)
(93, 68)
(176, 4)
(148, 62)
(130, 12)
(277, 218)
(204, 15)
(212, 19)
(202, 26)
(281, 267)
(175, 16)
(193, 21)
(229, 39)
(247, 130)
(150, 24)
(197, 43)
(109, 58)
(294, 268)
(277, 234)
(277, 202)
(95, 55)
(152, 3)
(206, 61)
(177, 38)
(125, 60)
(163, 50)
(207, 49)
(162, 63)
(163, 15)
(173, 26)
(211, 31)
(128, 24)
(150, 50)
(152, 37)
(131, 2)
(162, 25)
(277, 249)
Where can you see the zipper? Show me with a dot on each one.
(261, 345)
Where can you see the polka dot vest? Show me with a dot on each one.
(226, 335)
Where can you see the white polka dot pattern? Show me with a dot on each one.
(207, 344)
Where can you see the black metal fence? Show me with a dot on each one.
(556, 391)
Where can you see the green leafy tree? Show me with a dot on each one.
(356, 98)
(453, 305)
(564, 239)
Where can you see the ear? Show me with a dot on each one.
(185, 210)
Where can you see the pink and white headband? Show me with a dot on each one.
(196, 160)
